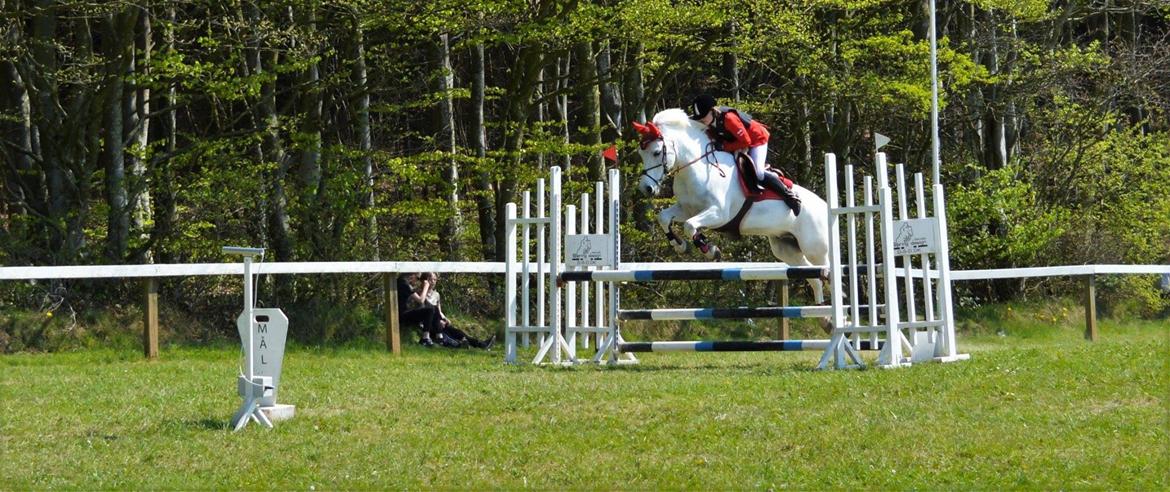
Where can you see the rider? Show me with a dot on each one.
(734, 136)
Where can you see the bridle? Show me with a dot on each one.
(668, 172)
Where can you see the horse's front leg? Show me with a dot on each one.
(707, 218)
(666, 218)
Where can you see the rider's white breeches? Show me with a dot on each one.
(758, 154)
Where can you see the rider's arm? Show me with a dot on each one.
(735, 128)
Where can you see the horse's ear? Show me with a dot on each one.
(640, 128)
(654, 131)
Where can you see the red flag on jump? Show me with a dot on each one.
(610, 153)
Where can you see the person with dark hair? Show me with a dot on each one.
(737, 132)
(413, 309)
(449, 335)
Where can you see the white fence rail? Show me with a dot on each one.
(151, 274)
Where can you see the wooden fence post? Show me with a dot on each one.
(1091, 308)
(150, 318)
(393, 339)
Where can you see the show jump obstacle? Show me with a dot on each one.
(871, 309)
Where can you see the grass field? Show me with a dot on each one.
(1035, 413)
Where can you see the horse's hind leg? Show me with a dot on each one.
(786, 249)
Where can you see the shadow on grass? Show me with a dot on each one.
(208, 424)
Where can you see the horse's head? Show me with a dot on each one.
(656, 161)
(670, 139)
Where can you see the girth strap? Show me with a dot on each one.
(731, 228)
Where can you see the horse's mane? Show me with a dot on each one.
(676, 118)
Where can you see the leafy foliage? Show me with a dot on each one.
(158, 132)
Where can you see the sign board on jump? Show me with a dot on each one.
(915, 236)
(584, 250)
(268, 337)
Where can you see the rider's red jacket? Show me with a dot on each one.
(753, 135)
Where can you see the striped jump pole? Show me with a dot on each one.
(783, 273)
(726, 313)
(737, 346)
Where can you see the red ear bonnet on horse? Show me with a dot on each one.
(649, 133)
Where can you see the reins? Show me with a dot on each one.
(711, 150)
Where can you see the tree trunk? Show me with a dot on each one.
(587, 118)
(635, 100)
(119, 52)
(611, 101)
(483, 199)
(309, 194)
(48, 122)
(635, 110)
(562, 105)
(310, 165)
(995, 138)
(138, 125)
(806, 134)
(731, 66)
(518, 101)
(164, 191)
(25, 191)
(272, 149)
(365, 142)
(452, 229)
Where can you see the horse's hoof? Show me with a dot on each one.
(714, 253)
(679, 246)
(827, 325)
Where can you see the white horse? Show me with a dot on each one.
(708, 195)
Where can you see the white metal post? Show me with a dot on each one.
(526, 271)
(510, 282)
(571, 289)
(835, 275)
(928, 297)
(541, 258)
(614, 297)
(903, 214)
(599, 288)
(870, 261)
(556, 340)
(585, 290)
(950, 351)
(249, 364)
(851, 222)
(891, 353)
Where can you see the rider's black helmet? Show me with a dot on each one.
(701, 106)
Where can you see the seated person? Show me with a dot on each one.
(413, 310)
(450, 336)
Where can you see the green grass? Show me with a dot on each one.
(1040, 412)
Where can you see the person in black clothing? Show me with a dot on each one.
(413, 309)
(450, 336)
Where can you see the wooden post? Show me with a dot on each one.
(150, 318)
(782, 292)
(393, 340)
(1091, 308)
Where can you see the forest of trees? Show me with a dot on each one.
(158, 131)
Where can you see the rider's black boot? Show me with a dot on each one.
(772, 182)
